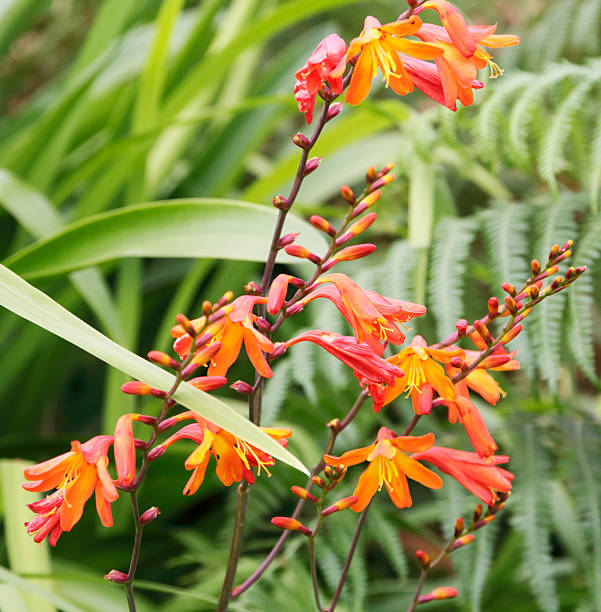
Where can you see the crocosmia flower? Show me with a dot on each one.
(76, 475)
(480, 476)
(326, 63)
(234, 456)
(379, 46)
(390, 466)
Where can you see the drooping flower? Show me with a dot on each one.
(367, 366)
(373, 317)
(326, 63)
(76, 475)
(480, 476)
(232, 330)
(422, 375)
(379, 46)
(234, 456)
(390, 466)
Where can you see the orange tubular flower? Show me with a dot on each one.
(480, 476)
(234, 456)
(422, 375)
(378, 46)
(372, 316)
(76, 475)
(390, 466)
(327, 63)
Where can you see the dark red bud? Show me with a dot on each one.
(334, 110)
(287, 239)
(312, 165)
(149, 515)
(252, 288)
(461, 326)
(242, 387)
(281, 202)
(300, 140)
(116, 576)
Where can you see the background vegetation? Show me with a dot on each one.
(116, 102)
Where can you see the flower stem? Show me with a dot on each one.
(135, 553)
(314, 572)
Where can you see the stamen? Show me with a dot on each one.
(495, 70)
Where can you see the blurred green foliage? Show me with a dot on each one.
(117, 102)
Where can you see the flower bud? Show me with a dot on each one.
(207, 307)
(322, 224)
(362, 224)
(312, 165)
(481, 328)
(335, 473)
(511, 334)
(287, 239)
(509, 288)
(319, 482)
(296, 250)
(186, 324)
(157, 451)
(456, 362)
(438, 594)
(556, 283)
(206, 353)
(354, 252)
(423, 558)
(163, 359)
(279, 350)
(149, 515)
(459, 527)
(304, 494)
(333, 111)
(158, 393)
(493, 308)
(367, 202)
(136, 387)
(461, 326)
(242, 387)
(284, 522)
(146, 419)
(252, 288)
(535, 266)
(347, 194)
(381, 182)
(281, 202)
(554, 252)
(167, 424)
(477, 513)
(483, 522)
(494, 361)
(511, 305)
(116, 576)
(300, 140)
(208, 383)
(341, 504)
(371, 174)
(462, 541)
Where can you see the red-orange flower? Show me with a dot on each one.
(234, 456)
(480, 476)
(422, 375)
(76, 475)
(379, 46)
(373, 317)
(326, 63)
(390, 466)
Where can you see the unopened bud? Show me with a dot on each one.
(304, 494)
(284, 522)
(509, 288)
(462, 541)
(335, 473)
(341, 504)
(511, 334)
(367, 202)
(163, 359)
(483, 522)
(204, 355)
(381, 182)
(252, 288)
(481, 328)
(456, 362)
(263, 324)
(423, 558)
(556, 283)
(334, 425)
(459, 526)
(354, 252)
(554, 252)
(157, 451)
(187, 326)
(296, 250)
(207, 308)
(242, 387)
(167, 424)
(461, 327)
(281, 202)
(533, 291)
(300, 140)
(493, 308)
(208, 383)
(371, 174)
(386, 169)
(535, 266)
(136, 387)
(149, 515)
(318, 481)
(323, 225)
(438, 594)
(312, 165)
(222, 312)
(116, 576)
(477, 513)
(495, 361)
(279, 350)
(334, 110)
(287, 239)
(362, 224)
(511, 305)
(347, 194)
(158, 393)
(146, 419)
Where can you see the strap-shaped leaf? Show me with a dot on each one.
(30, 303)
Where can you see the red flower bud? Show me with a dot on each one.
(459, 526)
(287, 239)
(208, 383)
(347, 194)
(186, 324)
(296, 250)
(341, 504)
(535, 266)
(252, 288)
(300, 140)
(334, 110)
(135, 387)
(312, 165)
(509, 288)
(511, 334)
(461, 326)
(462, 541)
(381, 182)
(371, 174)
(354, 252)
(437, 594)
(323, 225)
(284, 522)
(483, 522)
(362, 224)
(157, 451)
(493, 308)
(281, 202)
(319, 481)
(423, 558)
(149, 515)
(116, 576)
(242, 387)
(163, 359)
(304, 494)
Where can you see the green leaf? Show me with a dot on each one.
(203, 228)
(28, 302)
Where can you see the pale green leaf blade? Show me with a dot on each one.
(28, 302)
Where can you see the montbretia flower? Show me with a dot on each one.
(76, 475)
(480, 476)
(380, 46)
(422, 375)
(367, 366)
(373, 317)
(390, 466)
(234, 456)
(326, 63)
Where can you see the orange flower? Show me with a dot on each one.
(480, 476)
(379, 46)
(372, 316)
(76, 475)
(422, 375)
(234, 456)
(390, 466)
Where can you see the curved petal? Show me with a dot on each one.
(416, 471)
(366, 487)
(362, 77)
(197, 477)
(399, 493)
(352, 457)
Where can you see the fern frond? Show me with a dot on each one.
(452, 240)
(595, 169)
(585, 27)
(385, 532)
(531, 515)
(484, 552)
(276, 389)
(581, 301)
